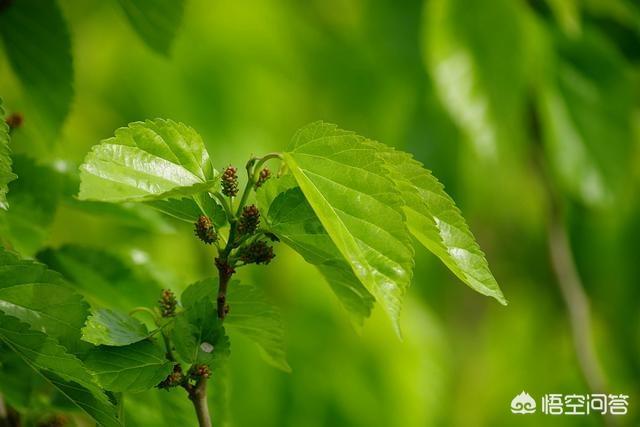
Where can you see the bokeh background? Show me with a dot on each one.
(501, 99)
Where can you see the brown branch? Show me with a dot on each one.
(198, 396)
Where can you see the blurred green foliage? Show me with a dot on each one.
(476, 89)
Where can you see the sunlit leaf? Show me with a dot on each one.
(291, 218)
(156, 22)
(131, 368)
(63, 370)
(154, 160)
(6, 175)
(40, 297)
(114, 328)
(345, 182)
(436, 222)
(38, 46)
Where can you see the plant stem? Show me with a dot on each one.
(577, 304)
(568, 278)
(198, 396)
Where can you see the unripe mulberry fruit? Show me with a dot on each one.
(257, 252)
(265, 174)
(249, 220)
(168, 303)
(205, 230)
(229, 181)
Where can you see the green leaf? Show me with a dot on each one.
(254, 317)
(34, 201)
(40, 297)
(345, 182)
(132, 368)
(104, 278)
(436, 222)
(161, 408)
(63, 370)
(156, 22)
(291, 218)
(250, 315)
(585, 103)
(188, 210)
(483, 92)
(114, 328)
(6, 176)
(154, 160)
(198, 334)
(38, 46)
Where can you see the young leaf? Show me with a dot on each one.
(198, 334)
(291, 218)
(436, 222)
(63, 370)
(155, 22)
(345, 182)
(132, 368)
(6, 176)
(38, 46)
(40, 297)
(114, 328)
(254, 317)
(154, 160)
